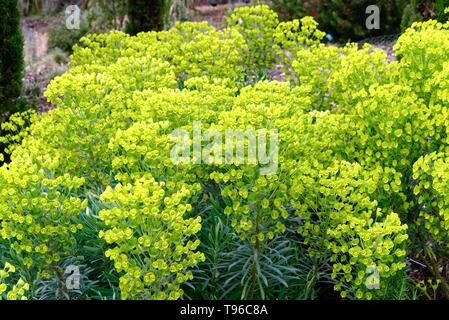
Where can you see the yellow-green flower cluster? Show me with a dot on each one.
(192, 49)
(14, 130)
(151, 249)
(257, 25)
(431, 173)
(18, 291)
(37, 213)
(423, 50)
(341, 76)
(292, 35)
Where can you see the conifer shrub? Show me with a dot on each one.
(146, 15)
(11, 58)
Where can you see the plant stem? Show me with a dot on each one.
(256, 258)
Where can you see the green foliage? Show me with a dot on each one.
(13, 131)
(146, 225)
(146, 16)
(64, 39)
(106, 15)
(345, 19)
(16, 291)
(422, 10)
(360, 179)
(350, 23)
(45, 7)
(292, 9)
(11, 58)
(411, 14)
(257, 25)
(439, 7)
(267, 39)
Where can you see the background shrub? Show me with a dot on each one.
(412, 13)
(48, 7)
(146, 16)
(104, 16)
(11, 58)
(345, 19)
(440, 10)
